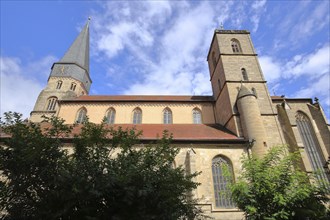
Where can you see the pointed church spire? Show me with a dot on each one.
(78, 53)
(75, 62)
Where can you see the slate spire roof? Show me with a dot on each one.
(78, 53)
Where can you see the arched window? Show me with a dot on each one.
(110, 116)
(73, 86)
(59, 84)
(51, 104)
(220, 181)
(214, 60)
(235, 46)
(244, 74)
(311, 145)
(167, 116)
(197, 116)
(254, 91)
(137, 116)
(81, 115)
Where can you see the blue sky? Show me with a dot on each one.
(160, 47)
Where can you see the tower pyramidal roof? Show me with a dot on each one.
(78, 53)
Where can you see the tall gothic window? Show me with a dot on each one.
(220, 182)
(235, 46)
(59, 84)
(51, 104)
(81, 115)
(110, 116)
(244, 74)
(167, 116)
(197, 116)
(137, 116)
(311, 145)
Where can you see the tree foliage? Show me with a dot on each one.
(96, 177)
(271, 188)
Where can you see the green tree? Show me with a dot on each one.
(104, 174)
(271, 188)
(30, 162)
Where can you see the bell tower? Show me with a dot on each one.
(238, 85)
(69, 78)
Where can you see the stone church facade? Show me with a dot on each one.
(239, 118)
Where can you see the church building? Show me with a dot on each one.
(240, 117)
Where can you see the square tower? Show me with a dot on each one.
(233, 62)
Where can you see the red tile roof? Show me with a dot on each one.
(181, 132)
(140, 98)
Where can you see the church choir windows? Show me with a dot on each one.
(81, 116)
(59, 84)
(110, 116)
(167, 116)
(51, 104)
(137, 116)
(73, 86)
(221, 182)
(312, 146)
(235, 46)
(197, 116)
(244, 74)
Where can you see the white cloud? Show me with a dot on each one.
(225, 13)
(39, 69)
(257, 5)
(168, 55)
(270, 68)
(20, 85)
(112, 43)
(258, 8)
(166, 44)
(201, 84)
(319, 87)
(301, 21)
(312, 21)
(313, 69)
(314, 65)
(133, 24)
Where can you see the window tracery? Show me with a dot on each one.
(222, 192)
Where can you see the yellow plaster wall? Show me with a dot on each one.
(152, 113)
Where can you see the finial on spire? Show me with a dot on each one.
(221, 26)
(89, 19)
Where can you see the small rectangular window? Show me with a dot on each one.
(73, 86)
